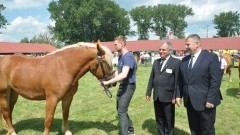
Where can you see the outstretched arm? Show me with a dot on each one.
(119, 77)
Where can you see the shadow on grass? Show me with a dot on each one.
(3, 131)
(151, 127)
(233, 92)
(37, 124)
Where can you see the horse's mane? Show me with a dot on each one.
(86, 44)
(108, 53)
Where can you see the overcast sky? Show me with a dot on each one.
(28, 18)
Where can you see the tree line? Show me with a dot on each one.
(92, 19)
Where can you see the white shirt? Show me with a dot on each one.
(164, 62)
(195, 56)
(223, 62)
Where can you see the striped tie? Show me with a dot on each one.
(161, 63)
(190, 66)
(190, 62)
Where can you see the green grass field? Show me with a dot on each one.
(93, 113)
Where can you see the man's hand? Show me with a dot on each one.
(148, 98)
(178, 101)
(105, 82)
(209, 105)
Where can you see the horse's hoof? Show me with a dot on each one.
(68, 132)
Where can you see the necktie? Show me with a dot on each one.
(190, 66)
(220, 62)
(190, 62)
(161, 63)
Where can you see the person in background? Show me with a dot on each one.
(199, 85)
(127, 78)
(223, 63)
(163, 80)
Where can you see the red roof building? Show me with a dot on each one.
(231, 43)
(25, 48)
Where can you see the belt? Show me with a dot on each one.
(128, 83)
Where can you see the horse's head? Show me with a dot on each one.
(103, 68)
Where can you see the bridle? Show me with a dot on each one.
(100, 63)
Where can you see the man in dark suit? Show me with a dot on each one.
(163, 79)
(199, 85)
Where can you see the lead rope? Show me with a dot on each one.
(106, 88)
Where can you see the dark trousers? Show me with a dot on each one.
(165, 117)
(124, 96)
(201, 122)
(222, 71)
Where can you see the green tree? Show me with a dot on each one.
(143, 19)
(227, 24)
(88, 20)
(43, 39)
(170, 16)
(24, 40)
(177, 15)
(3, 21)
(160, 19)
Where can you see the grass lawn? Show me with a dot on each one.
(93, 113)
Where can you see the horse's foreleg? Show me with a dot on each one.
(66, 103)
(6, 112)
(51, 104)
(65, 108)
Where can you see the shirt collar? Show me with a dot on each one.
(197, 54)
(167, 58)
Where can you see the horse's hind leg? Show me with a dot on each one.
(66, 103)
(230, 73)
(4, 105)
(51, 104)
(13, 96)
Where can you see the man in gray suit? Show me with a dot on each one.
(163, 80)
(199, 85)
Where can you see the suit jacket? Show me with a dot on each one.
(163, 82)
(203, 83)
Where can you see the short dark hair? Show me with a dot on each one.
(196, 37)
(120, 38)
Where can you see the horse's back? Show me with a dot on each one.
(13, 67)
(10, 62)
(7, 63)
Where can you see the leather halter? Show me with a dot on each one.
(100, 62)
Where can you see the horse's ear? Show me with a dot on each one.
(100, 49)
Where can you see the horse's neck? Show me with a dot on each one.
(76, 62)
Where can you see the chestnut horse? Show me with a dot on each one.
(53, 78)
(228, 59)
